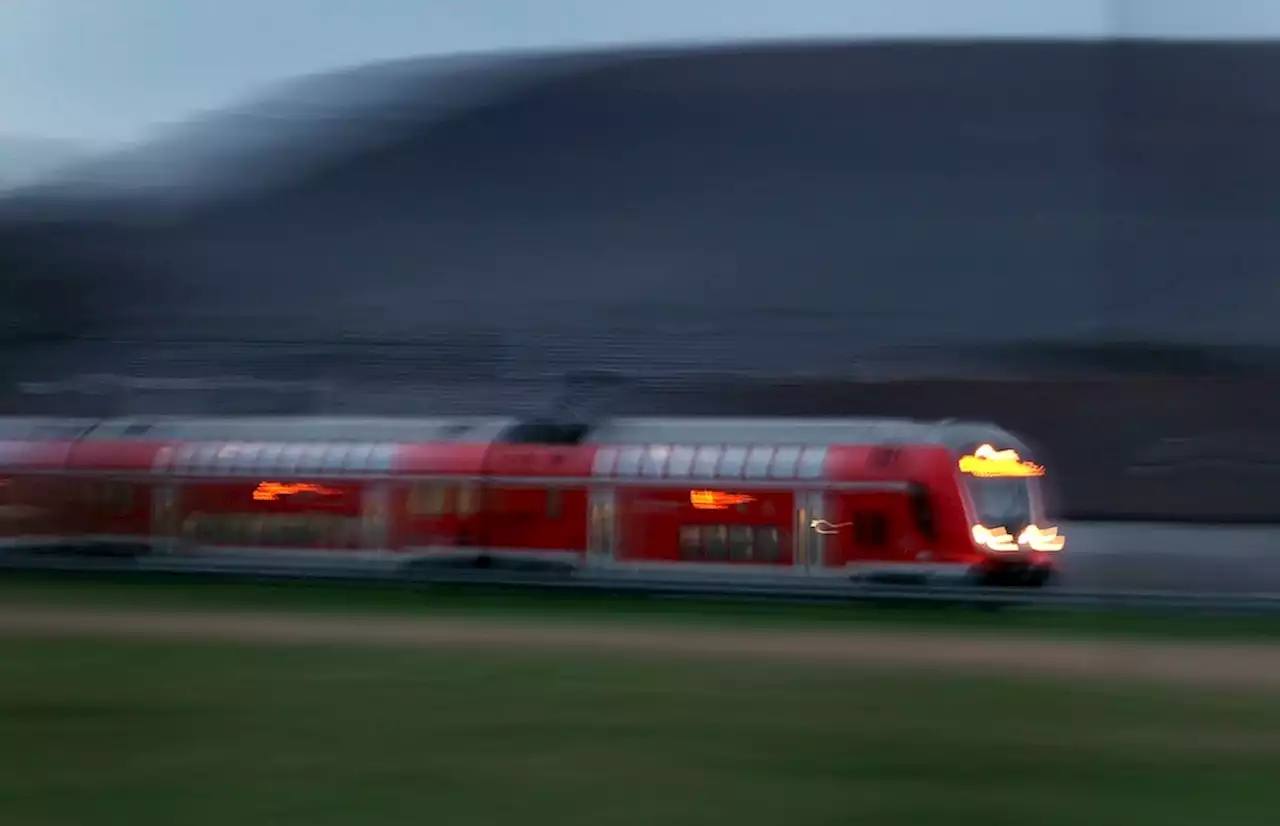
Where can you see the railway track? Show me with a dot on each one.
(637, 585)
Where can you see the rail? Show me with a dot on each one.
(637, 585)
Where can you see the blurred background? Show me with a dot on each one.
(1055, 215)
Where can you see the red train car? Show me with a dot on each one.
(35, 511)
(719, 497)
(831, 498)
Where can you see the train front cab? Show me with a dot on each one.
(894, 513)
(1005, 509)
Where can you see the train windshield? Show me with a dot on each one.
(999, 484)
(1002, 503)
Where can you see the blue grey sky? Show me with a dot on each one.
(106, 71)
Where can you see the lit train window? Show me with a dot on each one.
(427, 499)
(740, 542)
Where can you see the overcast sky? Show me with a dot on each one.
(106, 70)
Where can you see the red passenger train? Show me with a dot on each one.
(721, 497)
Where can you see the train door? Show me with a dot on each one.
(516, 516)
(165, 504)
(601, 526)
(375, 512)
(812, 531)
(444, 516)
(873, 528)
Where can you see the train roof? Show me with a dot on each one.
(27, 428)
(956, 435)
(860, 431)
(304, 429)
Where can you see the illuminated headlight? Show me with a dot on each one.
(1042, 539)
(1033, 538)
(997, 539)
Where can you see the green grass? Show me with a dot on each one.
(159, 592)
(167, 734)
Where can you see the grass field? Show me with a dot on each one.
(186, 735)
(163, 592)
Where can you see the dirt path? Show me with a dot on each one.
(1216, 664)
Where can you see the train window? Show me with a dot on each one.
(680, 461)
(428, 499)
(690, 542)
(115, 497)
(715, 541)
(301, 531)
(329, 531)
(883, 457)
(922, 511)
(555, 503)
(270, 530)
(741, 539)
(318, 530)
(468, 500)
(274, 531)
(206, 528)
(346, 533)
(353, 532)
(602, 528)
(768, 545)
(249, 531)
(870, 528)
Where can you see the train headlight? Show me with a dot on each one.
(1032, 538)
(1042, 539)
(996, 539)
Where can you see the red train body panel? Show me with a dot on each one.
(721, 497)
(34, 493)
